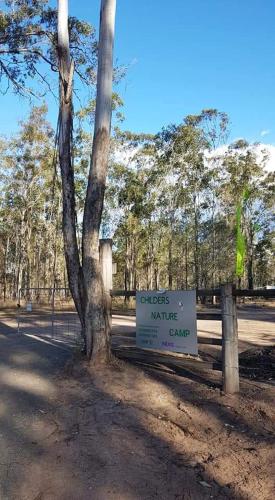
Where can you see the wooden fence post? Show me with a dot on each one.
(106, 262)
(230, 355)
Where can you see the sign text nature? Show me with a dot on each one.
(167, 321)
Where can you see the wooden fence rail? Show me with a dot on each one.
(268, 294)
(229, 341)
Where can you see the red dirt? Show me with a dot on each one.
(125, 433)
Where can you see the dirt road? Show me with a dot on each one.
(28, 392)
(256, 326)
(67, 433)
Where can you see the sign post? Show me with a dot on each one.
(166, 320)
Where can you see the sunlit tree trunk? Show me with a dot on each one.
(86, 283)
(74, 270)
(196, 246)
(186, 262)
(5, 268)
(96, 324)
(170, 263)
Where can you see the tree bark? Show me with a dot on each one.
(5, 267)
(97, 330)
(170, 263)
(186, 262)
(85, 281)
(74, 269)
(213, 248)
(196, 247)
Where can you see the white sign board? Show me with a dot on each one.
(167, 321)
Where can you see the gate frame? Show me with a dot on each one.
(53, 291)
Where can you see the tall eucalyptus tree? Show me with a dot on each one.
(85, 277)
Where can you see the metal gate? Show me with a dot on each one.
(49, 313)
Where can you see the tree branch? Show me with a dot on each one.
(20, 88)
(37, 52)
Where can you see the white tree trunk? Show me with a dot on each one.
(96, 327)
(105, 66)
(65, 160)
(63, 33)
(86, 282)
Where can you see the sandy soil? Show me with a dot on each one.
(127, 433)
(131, 432)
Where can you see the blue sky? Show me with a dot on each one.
(185, 56)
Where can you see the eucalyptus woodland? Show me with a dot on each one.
(177, 196)
(30, 209)
(170, 208)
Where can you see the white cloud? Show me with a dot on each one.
(264, 132)
(262, 150)
(127, 157)
(270, 150)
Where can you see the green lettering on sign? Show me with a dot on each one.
(165, 315)
(154, 300)
(178, 333)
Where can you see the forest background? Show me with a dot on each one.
(171, 201)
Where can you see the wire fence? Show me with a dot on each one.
(48, 312)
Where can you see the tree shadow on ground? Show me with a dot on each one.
(27, 367)
(104, 436)
(121, 451)
(219, 407)
(7, 329)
